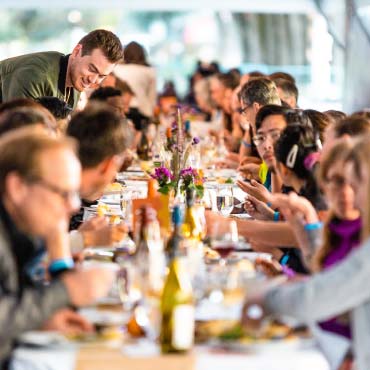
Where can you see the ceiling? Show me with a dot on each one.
(253, 6)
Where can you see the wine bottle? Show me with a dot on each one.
(177, 308)
(175, 238)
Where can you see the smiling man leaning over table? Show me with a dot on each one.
(39, 182)
(63, 76)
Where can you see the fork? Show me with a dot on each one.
(239, 205)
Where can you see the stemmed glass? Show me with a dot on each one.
(224, 241)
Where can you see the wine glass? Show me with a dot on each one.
(225, 199)
(224, 239)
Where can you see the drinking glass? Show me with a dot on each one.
(224, 239)
(225, 199)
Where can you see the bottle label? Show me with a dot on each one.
(183, 327)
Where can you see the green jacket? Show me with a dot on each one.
(36, 75)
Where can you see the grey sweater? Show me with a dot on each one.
(22, 306)
(345, 287)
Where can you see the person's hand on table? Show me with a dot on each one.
(93, 224)
(254, 312)
(69, 322)
(270, 268)
(98, 232)
(257, 209)
(255, 189)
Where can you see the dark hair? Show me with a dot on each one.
(301, 118)
(288, 88)
(100, 132)
(57, 107)
(134, 53)
(269, 110)
(259, 90)
(296, 145)
(103, 93)
(299, 139)
(236, 73)
(18, 103)
(282, 76)
(123, 86)
(228, 80)
(319, 121)
(19, 117)
(352, 126)
(335, 116)
(256, 74)
(104, 40)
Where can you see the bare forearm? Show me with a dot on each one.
(277, 234)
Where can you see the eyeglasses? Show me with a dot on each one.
(259, 139)
(242, 110)
(69, 196)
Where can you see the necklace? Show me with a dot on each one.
(67, 94)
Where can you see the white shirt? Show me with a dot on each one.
(142, 80)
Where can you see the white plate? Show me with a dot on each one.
(42, 339)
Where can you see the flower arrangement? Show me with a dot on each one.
(175, 174)
(165, 179)
(191, 179)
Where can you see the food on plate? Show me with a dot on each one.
(102, 209)
(228, 330)
(114, 186)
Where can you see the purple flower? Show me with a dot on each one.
(195, 140)
(188, 172)
(162, 175)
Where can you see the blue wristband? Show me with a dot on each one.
(246, 144)
(313, 226)
(276, 216)
(60, 264)
(284, 260)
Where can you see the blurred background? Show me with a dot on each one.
(324, 44)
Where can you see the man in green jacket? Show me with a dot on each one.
(63, 76)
